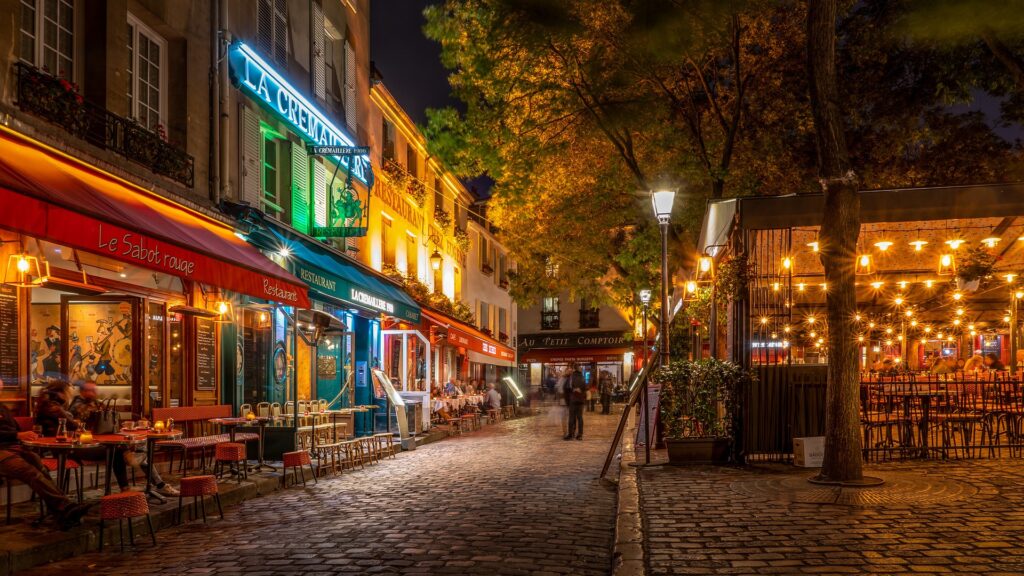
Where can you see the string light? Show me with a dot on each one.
(814, 334)
(928, 283)
(814, 246)
(883, 245)
(775, 286)
(919, 245)
(871, 324)
(956, 322)
(1019, 294)
(1010, 278)
(786, 329)
(810, 319)
(860, 338)
(991, 241)
(764, 320)
(899, 301)
(927, 329)
(800, 287)
(903, 284)
(877, 284)
(888, 330)
(955, 243)
(787, 263)
(857, 317)
(913, 323)
(959, 311)
(957, 295)
(824, 286)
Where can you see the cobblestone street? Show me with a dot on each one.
(513, 498)
(931, 518)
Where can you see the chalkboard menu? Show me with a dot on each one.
(206, 354)
(9, 335)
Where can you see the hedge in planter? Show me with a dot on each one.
(697, 404)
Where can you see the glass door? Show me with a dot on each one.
(335, 369)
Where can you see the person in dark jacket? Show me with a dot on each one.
(52, 405)
(19, 464)
(576, 396)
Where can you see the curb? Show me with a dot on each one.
(628, 552)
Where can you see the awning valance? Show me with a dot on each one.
(54, 197)
(465, 336)
(337, 278)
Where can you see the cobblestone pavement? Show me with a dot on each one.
(511, 499)
(929, 518)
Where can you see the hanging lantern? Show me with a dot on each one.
(864, 265)
(947, 265)
(690, 293)
(436, 260)
(263, 319)
(955, 243)
(224, 310)
(23, 270)
(705, 268)
(877, 284)
(990, 242)
(929, 283)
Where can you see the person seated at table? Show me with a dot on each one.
(52, 404)
(975, 363)
(87, 409)
(885, 366)
(944, 366)
(450, 389)
(993, 363)
(25, 466)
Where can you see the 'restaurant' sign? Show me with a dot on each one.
(573, 340)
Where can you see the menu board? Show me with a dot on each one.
(206, 354)
(9, 335)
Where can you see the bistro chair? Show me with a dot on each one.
(263, 409)
(295, 461)
(125, 506)
(232, 455)
(244, 409)
(275, 411)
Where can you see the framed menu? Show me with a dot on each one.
(206, 354)
(9, 336)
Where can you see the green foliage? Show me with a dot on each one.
(699, 398)
(976, 263)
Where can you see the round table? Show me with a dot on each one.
(152, 437)
(232, 425)
(127, 440)
(61, 451)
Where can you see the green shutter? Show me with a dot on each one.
(300, 188)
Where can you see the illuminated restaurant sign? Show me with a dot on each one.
(260, 80)
(573, 340)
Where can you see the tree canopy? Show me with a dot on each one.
(576, 108)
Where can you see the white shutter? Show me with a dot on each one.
(319, 67)
(265, 28)
(350, 88)
(300, 187)
(319, 194)
(281, 32)
(250, 160)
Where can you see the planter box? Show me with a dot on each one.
(808, 452)
(698, 450)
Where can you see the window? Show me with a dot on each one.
(550, 316)
(147, 73)
(485, 255)
(502, 270)
(387, 242)
(502, 320)
(458, 284)
(270, 176)
(589, 315)
(388, 133)
(412, 256)
(438, 194)
(484, 320)
(551, 268)
(333, 64)
(411, 161)
(47, 35)
(272, 31)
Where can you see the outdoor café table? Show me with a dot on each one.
(61, 451)
(925, 393)
(152, 437)
(232, 425)
(127, 440)
(333, 416)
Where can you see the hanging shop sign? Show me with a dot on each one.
(255, 76)
(573, 340)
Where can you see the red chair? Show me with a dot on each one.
(233, 455)
(295, 461)
(197, 487)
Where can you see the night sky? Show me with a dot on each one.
(410, 63)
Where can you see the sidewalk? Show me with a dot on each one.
(929, 518)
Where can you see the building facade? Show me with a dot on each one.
(559, 330)
(487, 284)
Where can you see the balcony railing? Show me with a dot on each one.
(57, 101)
(550, 320)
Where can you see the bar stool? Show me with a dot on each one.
(329, 458)
(197, 487)
(126, 505)
(295, 461)
(386, 444)
(353, 453)
(230, 453)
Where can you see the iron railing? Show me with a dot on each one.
(57, 101)
(550, 320)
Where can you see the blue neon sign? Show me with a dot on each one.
(250, 72)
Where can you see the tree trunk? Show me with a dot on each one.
(839, 231)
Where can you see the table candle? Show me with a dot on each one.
(86, 436)
(158, 426)
(250, 416)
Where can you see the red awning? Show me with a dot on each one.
(46, 194)
(465, 336)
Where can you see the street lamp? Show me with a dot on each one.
(662, 201)
(645, 299)
(436, 260)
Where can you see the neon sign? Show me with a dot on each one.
(250, 72)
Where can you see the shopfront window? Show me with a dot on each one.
(156, 326)
(175, 361)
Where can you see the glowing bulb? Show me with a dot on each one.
(954, 244)
(775, 286)
(928, 283)
(860, 338)
(222, 308)
(705, 264)
(949, 338)
(883, 245)
(800, 287)
(913, 323)
(957, 296)
(691, 286)
(959, 311)
(903, 284)
(991, 241)
(1006, 318)
(814, 334)
(810, 319)
(871, 324)
(956, 322)
(824, 286)
(787, 263)
(898, 301)
(263, 317)
(946, 259)
(888, 342)
(865, 260)
(1019, 294)
(764, 320)
(814, 246)
(23, 264)
(284, 252)
(1010, 278)
(938, 335)
(919, 245)
(877, 284)
(888, 330)
(786, 329)
(774, 335)
(973, 333)
(927, 329)
(857, 317)
(908, 313)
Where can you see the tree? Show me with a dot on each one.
(838, 236)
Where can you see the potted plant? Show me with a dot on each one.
(697, 404)
(975, 265)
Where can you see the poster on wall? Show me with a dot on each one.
(44, 342)
(206, 354)
(99, 342)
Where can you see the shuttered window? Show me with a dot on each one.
(250, 149)
(320, 51)
(300, 188)
(319, 194)
(272, 32)
(351, 106)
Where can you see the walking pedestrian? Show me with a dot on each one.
(576, 399)
(605, 390)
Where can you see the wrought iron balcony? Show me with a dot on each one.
(550, 320)
(57, 101)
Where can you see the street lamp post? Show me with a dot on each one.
(662, 201)
(645, 299)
